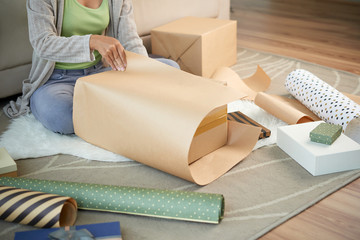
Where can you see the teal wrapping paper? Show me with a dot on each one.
(179, 205)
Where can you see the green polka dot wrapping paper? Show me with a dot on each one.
(322, 99)
(179, 205)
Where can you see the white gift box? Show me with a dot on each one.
(318, 158)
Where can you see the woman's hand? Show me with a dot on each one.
(111, 50)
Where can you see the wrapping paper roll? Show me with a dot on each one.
(37, 209)
(325, 101)
(180, 205)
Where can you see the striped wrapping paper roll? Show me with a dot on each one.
(242, 118)
(36, 208)
(180, 205)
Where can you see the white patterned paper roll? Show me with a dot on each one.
(325, 101)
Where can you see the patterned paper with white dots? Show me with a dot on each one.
(181, 205)
(325, 101)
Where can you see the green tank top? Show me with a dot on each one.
(81, 20)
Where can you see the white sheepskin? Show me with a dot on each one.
(27, 138)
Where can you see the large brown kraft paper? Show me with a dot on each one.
(150, 112)
(251, 86)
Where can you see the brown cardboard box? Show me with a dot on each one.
(204, 142)
(198, 45)
(153, 113)
(8, 166)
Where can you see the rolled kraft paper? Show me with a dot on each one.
(325, 101)
(151, 112)
(250, 86)
(179, 205)
(35, 208)
(288, 110)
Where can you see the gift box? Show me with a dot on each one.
(162, 117)
(317, 158)
(109, 230)
(242, 118)
(198, 45)
(325, 133)
(204, 142)
(8, 166)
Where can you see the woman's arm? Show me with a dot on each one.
(127, 32)
(48, 44)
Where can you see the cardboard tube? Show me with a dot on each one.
(179, 205)
(288, 110)
(35, 208)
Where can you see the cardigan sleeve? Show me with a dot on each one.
(127, 31)
(46, 40)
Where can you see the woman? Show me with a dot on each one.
(71, 39)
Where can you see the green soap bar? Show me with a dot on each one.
(325, 133)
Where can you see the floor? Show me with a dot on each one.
(326, 32)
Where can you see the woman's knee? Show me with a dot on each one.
(53, 111)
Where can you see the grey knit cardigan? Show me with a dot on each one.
(45, 22)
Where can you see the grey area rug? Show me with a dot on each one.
(261, 192)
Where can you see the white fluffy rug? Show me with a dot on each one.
(27, 138)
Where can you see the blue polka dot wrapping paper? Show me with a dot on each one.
(179, 205)
(322, 99)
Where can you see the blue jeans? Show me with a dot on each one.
(52, 103)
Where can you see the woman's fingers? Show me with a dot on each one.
(120, 58)
(110, 60)
(110, 49)
(122, 54)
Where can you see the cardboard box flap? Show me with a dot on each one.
(214, 118)
(171, 46)
(210, 135)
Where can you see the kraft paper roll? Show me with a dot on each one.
(179, 205)
(151, 112)
(288, 110)
(325, 101)
(35, 208)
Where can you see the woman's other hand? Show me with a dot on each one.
(111, 50)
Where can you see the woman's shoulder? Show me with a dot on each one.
(43, 3)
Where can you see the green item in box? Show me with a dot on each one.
(325, 133)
